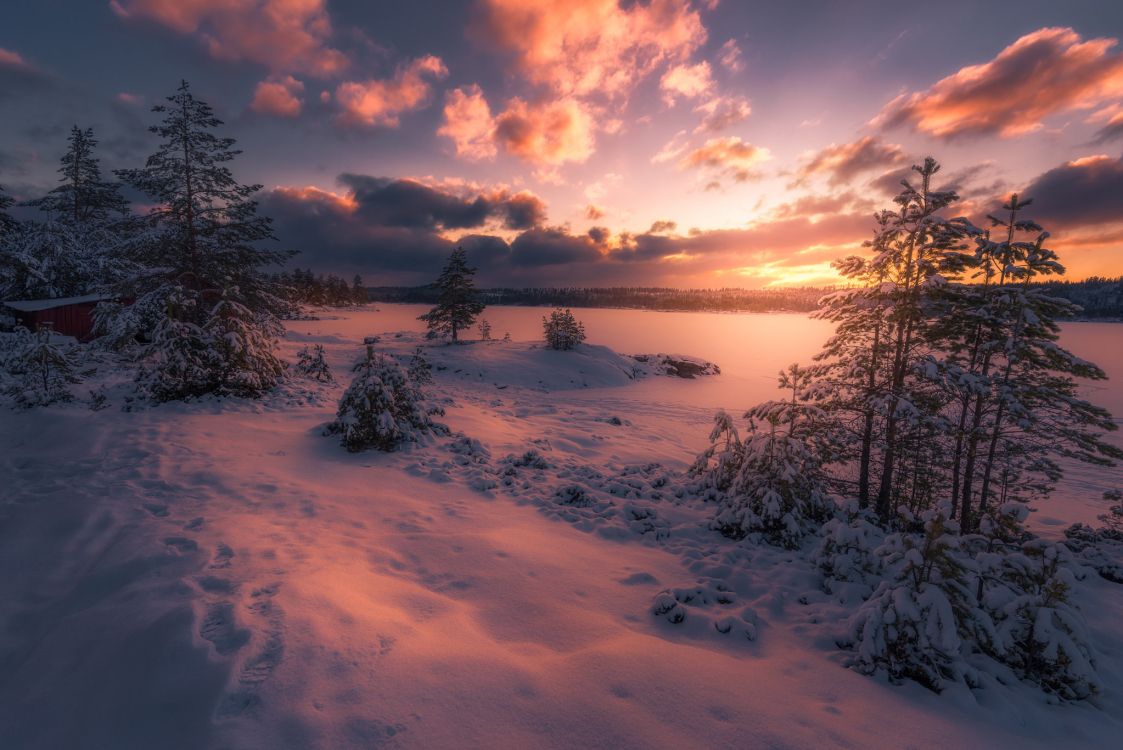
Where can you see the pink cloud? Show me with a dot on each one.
(722, 112)
(133, 100)
(730, 157)
(280, 98)
(686, 81)
(546, 133)
(582, 47)
(468, 122)
(1041, 74)
(12, 59)
(730, 57)
(284, 35)
(841, 163)
(380, 102)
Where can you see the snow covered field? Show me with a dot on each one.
(220, 574)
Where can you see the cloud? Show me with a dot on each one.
(686, 81)
(399, 232)
(375, 103)
(593, 212)
(730, 57)
(280, 98)
(1111, 131)
(730, 157)
(586, 47)
(287, 36)
(842, 163)
(722, 112)
(1043, 73)
(468, 122)
(546, 133)
(18, 76)
(1081, 192)
(408, 203)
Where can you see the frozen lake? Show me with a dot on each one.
(751, 348)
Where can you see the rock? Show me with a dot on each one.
(678, 365)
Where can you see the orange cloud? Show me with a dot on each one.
(468, 122)
(582, 47)
(686, 81)
(284, 35)
(546, 133)
(728, 156)
(280, 97)
(1043, 73)
(730, 56)
(845, 162)
(379, 102)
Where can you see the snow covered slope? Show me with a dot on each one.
(221, 575)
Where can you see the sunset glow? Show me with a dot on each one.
(766, 150)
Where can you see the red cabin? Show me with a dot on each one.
(70, 316)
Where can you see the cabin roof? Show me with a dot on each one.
(35, 305)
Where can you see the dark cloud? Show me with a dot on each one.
(662, 225)
(406, 203)
(1085, 191)
(1113, 131)
(551, 246)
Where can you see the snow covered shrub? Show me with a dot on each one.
(311, 363)
(1037, 631)
(847, 550)
(420, 371)
(562, 330)
(180, 362)
(243, 343)
(45, 367)
(778, 491)
(908, 627)
(719, 464)
(1113, 519)
(381, 408)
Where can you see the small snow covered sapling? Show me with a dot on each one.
(312, 364)
(562, 331)
(485, 330)
(420, 371)
(382, 408)
(46, 367)
(908, 627)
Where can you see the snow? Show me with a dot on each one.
(220, 574)
(35, 305)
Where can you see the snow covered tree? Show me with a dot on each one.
(201, 261)
(46, 366)
(359, 294)
(382, 408)
(1036, 629)
(720, 463)
(420, 371)
(7, 223)
(485, 330)
(311, 363)
(457, 304)
(83, 197)
(562, 331)
(908, 627)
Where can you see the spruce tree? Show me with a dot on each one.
(201, 257)
(457, 305)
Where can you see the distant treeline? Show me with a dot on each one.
(1100, 297)
(643, 298)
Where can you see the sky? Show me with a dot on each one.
(594, 142)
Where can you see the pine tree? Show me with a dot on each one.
(359, 294)
(311, 363)
(562, 331)
(457, 306)
(382, 408)
(8, 224)
(485, 330)
(202, 261)
(83, 197)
